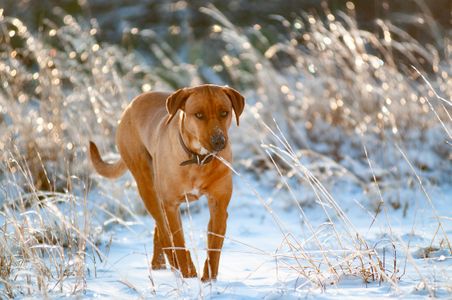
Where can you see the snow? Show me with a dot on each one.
(283, 229)
(256, 261)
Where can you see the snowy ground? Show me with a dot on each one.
(252, 264)
(336, 89)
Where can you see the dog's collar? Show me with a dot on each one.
(195, 158)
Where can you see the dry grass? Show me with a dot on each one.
(44, 236)
(325, 102)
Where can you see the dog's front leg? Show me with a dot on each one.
(178, 254)
(218, 201)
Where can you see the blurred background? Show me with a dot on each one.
(116, 17)
(330, 73)
(348, 110)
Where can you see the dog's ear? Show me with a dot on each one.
(237, 100)
(176, 101)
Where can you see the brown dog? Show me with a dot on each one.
(169, 142)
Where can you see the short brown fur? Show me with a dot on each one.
(149, 142)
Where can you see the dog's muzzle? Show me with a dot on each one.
(218, 142)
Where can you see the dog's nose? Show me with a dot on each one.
(218, 142)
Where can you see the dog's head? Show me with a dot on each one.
(207, 113)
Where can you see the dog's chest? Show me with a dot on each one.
(194, 186)
(191, 190)
(192, 194)
(187, 183)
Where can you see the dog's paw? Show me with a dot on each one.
(190, 273)
(206, 278)
(158, 266)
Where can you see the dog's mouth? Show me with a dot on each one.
(207, 151)
(198, 154)
(201, 150)
(199, 159)
(205, 154)
(207, 157)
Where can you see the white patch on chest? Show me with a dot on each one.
(192, 195)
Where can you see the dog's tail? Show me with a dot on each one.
(109, 170)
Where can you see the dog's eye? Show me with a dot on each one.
(199, 115)
(224, 113)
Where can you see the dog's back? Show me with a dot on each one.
(140, 118)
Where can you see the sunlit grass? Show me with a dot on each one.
(328, 101)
